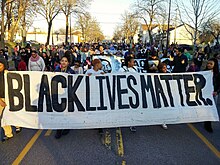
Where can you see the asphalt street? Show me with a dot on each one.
(180, 144)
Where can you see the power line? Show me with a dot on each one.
(99, 13)
(110, 22)
(97, 21)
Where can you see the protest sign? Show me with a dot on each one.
(112, 63)
(45, 100)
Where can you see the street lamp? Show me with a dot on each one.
(70, 29)
(57, 33)
(35, 32)
(168, 28)
(24, 35)
(71, 24)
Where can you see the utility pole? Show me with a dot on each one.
(2, 36)
(24, 32)
(52, 36)
(70, 30)
(35, 32)
(175, 27)
(168, 28)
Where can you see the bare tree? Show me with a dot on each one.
(118, 35)
(72, 6)
(148, 10)
(67, 7)
(49, 9)
(28, 17)
(206, 37)
(212, 27)
(90, 28)
(82, 23)
(195, 13)
(15, 11)
(4, 22)
(3, 4)
(61, 31)
(129, 26)
(13, 14)
(161, 21)
(127, 29)
(95, 33)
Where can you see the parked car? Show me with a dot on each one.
(32, 42)
(185, 46)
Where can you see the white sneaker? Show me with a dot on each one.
(164, 126)
(133, 129)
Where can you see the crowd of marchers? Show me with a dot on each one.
(78, 59)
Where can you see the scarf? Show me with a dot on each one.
(35, 59)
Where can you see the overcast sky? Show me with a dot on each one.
(106, 12)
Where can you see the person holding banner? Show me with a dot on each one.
(3, 68)
(129, 67)
(217, 56)
(77, 68)
(162, 68)
(96, 70)
(65, 68)
(212, 65)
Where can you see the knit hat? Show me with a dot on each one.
(4, 62)
(95, 61)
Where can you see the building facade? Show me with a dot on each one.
(178, 34)
(56, 38)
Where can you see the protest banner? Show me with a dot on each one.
(112, 63)
(45, 100)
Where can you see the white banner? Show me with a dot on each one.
(45, 100)
(112, 63)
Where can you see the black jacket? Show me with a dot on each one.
(2, 82)
(150, 62)
(180, 63)
(216, 82)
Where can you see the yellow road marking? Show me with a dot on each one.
(49, 131)
(119, 142)
(203, 138)
(123, 162)
(27, 148)
(107, 140)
